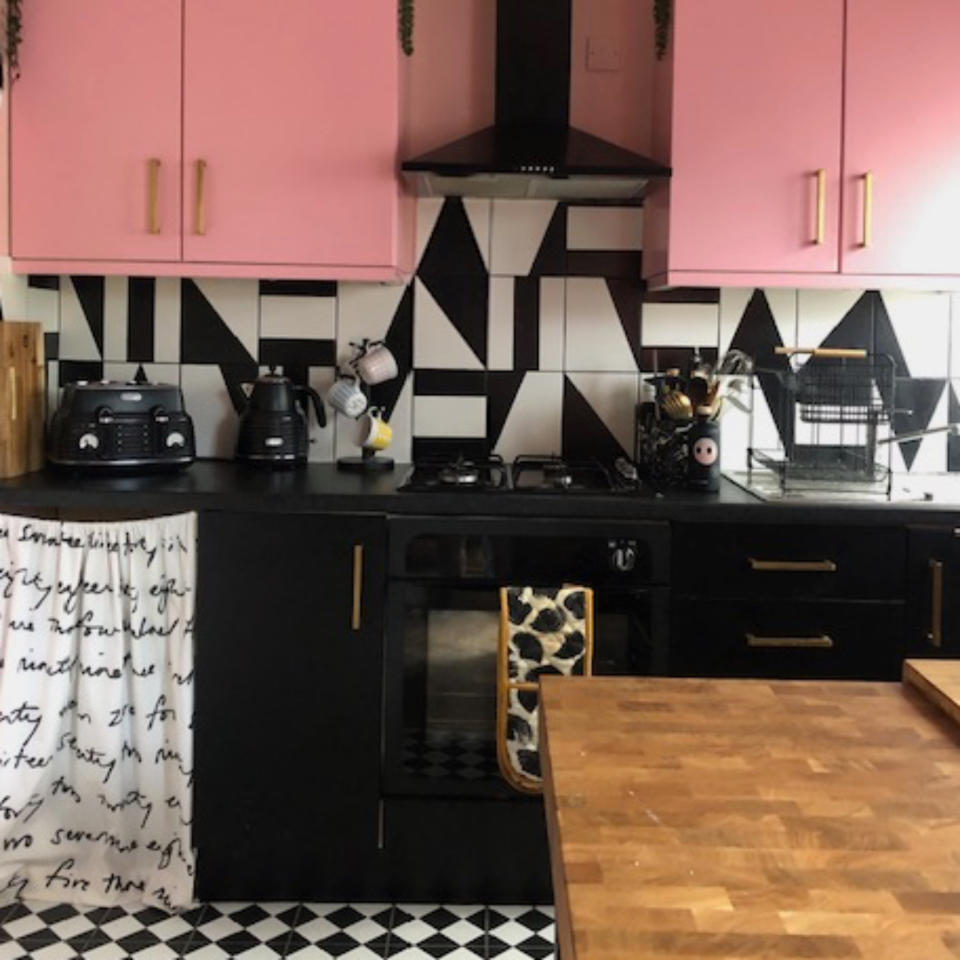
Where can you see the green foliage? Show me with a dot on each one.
(662, 17)
(13, 32)
(405, 11)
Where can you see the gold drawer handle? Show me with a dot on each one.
(867, 209)
(935, 636)
(153, 189)
(821, 234)
(200, 219)
(842, 353)
(793, 566)
(823, 642)
(357, 586)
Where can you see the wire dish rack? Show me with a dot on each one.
(831, 412)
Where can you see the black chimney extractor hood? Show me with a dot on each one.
(532, 151)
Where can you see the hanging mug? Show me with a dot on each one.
(373, 432)
(347, 397)
(377, 365)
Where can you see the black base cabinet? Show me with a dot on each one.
(934, 610)
(287, 713)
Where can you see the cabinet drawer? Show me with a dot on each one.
(853, 563)
(787, 639)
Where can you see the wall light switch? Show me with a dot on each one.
(603, 55)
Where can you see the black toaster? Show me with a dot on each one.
(107, 425)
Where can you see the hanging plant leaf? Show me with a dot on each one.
(405, 11)
(662, 17)
(13, 34)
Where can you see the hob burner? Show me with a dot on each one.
(463, 473)
(557, 475)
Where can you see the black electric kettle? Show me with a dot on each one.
(274, 431)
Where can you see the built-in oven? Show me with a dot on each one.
(443, 626)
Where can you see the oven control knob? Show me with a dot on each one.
(176, 439)
(88, 441)
(623, 557)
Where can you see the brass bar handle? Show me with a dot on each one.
(200, 223)
(13, 392)
(823, 642)
(935, 636)
(153, 190)
(867, 209)
(792, 566)
(357, 586)
(821, 235)
(841, 352)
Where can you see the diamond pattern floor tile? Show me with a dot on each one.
(273, 931)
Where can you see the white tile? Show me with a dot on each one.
(479, 214)
(115, 298)
(437, 344)
(11, 950)
(460, 953)
(13, 292)
(783, 306)
(166, 320)
(322, 441)
(449, 416)
(209, 952)
(500, 335)
(206, 398)
(121, 926)
(552, 312)
(680, 325)
(53, 386)
(318, 953)
(518, 229)
(605, 228)
(595, 338)
(613, 397)
(365, 311)
(237, 302)
(299, 318)
(76, 337)
(535, 421)
(160, 951)
(819, 311)
(107, 951)
(428, 212)
(921, 322)
(63, 951)
(42, 306)
(733, 304)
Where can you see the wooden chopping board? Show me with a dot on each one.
(751, 819)
(22, 398)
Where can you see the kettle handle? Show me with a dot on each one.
(317, 404)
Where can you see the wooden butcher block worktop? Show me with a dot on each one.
(752, 819)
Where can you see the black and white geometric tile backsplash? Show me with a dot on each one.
(525, 329)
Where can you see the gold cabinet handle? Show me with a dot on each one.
(867, 209)
(357, 586)
(820, 236)
(792, 566)
(935, 636)
(849, 353)
(823, 642)
(153, 190)
(200, 221)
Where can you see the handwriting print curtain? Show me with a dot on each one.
(96, 705)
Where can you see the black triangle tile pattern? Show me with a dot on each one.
(452, 249)
(953, 443)
(917, 400)
(551, 258)
(399, 341)
(205, 337)
(526, 323)
(627, 296)
(141, 309)
(585, 435)
(464, 300)
(503, 387)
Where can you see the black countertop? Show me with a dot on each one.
(321, 488)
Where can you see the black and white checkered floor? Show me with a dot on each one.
(262, 931)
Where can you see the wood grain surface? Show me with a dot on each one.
(938, 681)
(736, 819)
(21, 398)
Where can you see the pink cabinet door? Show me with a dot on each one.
(95, 130)
(290, 132)
(903, 132)
(757, 113)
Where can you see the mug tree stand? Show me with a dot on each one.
(368, 461)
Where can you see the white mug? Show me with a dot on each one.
(377, 365)
(347, 397)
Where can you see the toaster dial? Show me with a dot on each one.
(175, 440)
(88, 441)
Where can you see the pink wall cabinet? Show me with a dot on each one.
(902, 139)
(288, 161)
(753, 119)
(95, 133)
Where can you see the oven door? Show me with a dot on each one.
(441, 680)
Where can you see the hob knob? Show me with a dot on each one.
(623, 557)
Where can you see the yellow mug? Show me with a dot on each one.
(373, 432)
